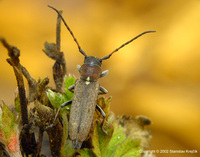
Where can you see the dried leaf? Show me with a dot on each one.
(50, 50)
(136, 128)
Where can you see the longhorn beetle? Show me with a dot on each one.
(86, 90)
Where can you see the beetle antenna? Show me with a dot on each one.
(108, 56)
(79, 47)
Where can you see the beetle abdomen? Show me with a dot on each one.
(82, 111)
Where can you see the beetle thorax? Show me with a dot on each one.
(90, 71)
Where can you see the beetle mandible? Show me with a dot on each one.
(86, 90)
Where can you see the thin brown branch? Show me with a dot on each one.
(58, 28)
(32, 84)
(53, 51)
(59, 68)
(27, 138)
(14, 54)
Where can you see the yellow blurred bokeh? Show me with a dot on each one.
(158, 75)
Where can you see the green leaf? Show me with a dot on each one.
(117, 137)
(101, 139)
(114, 144)
(68, 149)
(68, 82)
(56, 99)
(65, 146)
(7, 122)
(86, 153)
(134, 152)
(128, 147)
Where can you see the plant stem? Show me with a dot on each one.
(14, 54)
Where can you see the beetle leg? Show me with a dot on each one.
(101, 111)
(54, 122)
(104, 73)
(105, 132)
(102, 90)
(104, 118)
(71, 88)
(78, 67)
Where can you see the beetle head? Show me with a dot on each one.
(90, 60)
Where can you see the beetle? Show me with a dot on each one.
(86, 90)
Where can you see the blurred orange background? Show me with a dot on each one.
(158, 75)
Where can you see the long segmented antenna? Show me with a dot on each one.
(79, 47)
(108, 56)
